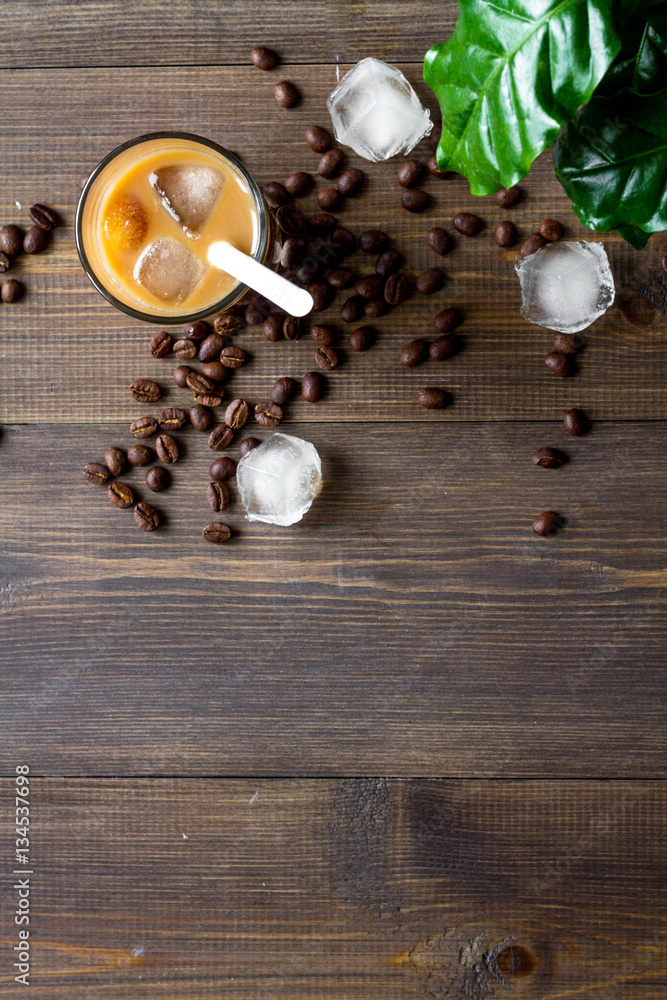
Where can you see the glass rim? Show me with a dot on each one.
(170, 318)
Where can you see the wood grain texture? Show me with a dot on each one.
(69, 356)
(412, 624)
(346, 889)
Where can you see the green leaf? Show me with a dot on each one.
(641, 65)
(511, 74)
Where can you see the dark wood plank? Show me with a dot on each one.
(352, 889)
(412, 624)
(67, 355)
(83, 33)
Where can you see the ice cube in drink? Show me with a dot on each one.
(168, 270)
(189, 192)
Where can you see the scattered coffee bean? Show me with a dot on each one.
(298, 183)
(362, 338)
(326, 358)
(548, 458)
(396, 289)
(185, 349)
(559, 364)
(146, 517)
(444, 347)
(434, 170)
(284, 390)
(341, 277)
(434, 137)
(439, 240)
(575, 421)
(551, 229)
(508, 197)
(217, 496)
(237, 413)
(506, 234)
(330, 199)
(374, 241)
(199, 383)
(210, 347)
(11, 240)
(233, 357)
(351, 182)
(664, 264)
(222, 468)
(216, 370)
(388, 263)
(286, 94)
(248, 444)
(318, 139)
(415, 200)
(312, 387)
(433, 398)
(293, 251)
(211, 399)
(352, 309)
(325, 335)
(290, 220)
(172, 419)
(268, 414)
(115, 460)
(409, 173)
(201, 417)
(330, 255)
(4, 262)
(35, 240)
(291, 328)
(430, 281)
(139, 454)
(344, 241)
(220, 437)
(120, 495)
(157, 479)
(96, 473)
(370, 286)
(161, 344)
(374, 308)
(322, 224)
(44, 217)
(263, 58)
(273, 327)
(447, 320)
(532, 243)
(253, 315)
(322, 295)
(568, 343)
(181, 374)
(167, 449)
(330, 163)
(217, 533)
(199, 331)
(467, 223)
(414, 353)
(12, 290)
(548, 523)
(226, 324)
(276, 194)
(144, 427)
(144, 390)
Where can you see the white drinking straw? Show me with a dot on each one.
(293, 300)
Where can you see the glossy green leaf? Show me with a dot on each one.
(512, 73)
(641, 65)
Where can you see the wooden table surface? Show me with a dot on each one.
(405, 748)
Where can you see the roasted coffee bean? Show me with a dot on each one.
(161, 344)
(201, 417)
(388, 263)
(370, 287)
(532, 243)
(350, 182)
(172, 419)
(548, 458)
(430, 281)
(409, 173)
(263, 58)
(362, 338)
(217, 533)
(144, 427)
(548, 523)
(291, 328)
(233, 357)
(276, 194)
(210, 347)
(322, 295)
(447, 320)
(444, 347)
(35, 240)
(298, 183)
(467, 223)
(268, 414)
(311, 270)
(341, 277)
(167, 449)
(181, 374)
(325, 335)
(217, 496)
(505, 234)
(508, 197)
(312, 387)
(120, 495)
(11, 240)
(326, 358)
(664, 264)
(434, 170)
(575, 422)
(146, 517)
(396, 289)
(115, 460)
(415, 200)
(318, 139)
(321, 224)
(185, 349)
(199, 383)
(226, 324)
(286, 94)
(290, 220)
(12, 290)
(559, 364)
(293, 251)
(220, 437)
(344, 241)
(272, 327)
(414, 353)
(352, 309)
(434, 137)
(374, 241)
(284, 390)
(4, 262)
(96, 473)
(374, 308)
(237, 413)
(248, 444)
(568, 343)
(216, 370)
(329, 199)
(433, 398)
(551, 229)
(144, 390)
(44, 217)
(157, 479)
(139, 454)
(330, 163)
(439, 240)
(254, 315)
(222, 468)
(211, 399)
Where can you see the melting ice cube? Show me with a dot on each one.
(189, 193)
(566, 286)
(376, 112)
(168, 270)
(279, 480)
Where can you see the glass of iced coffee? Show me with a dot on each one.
(149, 212)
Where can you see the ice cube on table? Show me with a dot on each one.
(279, 479)
(189, 193)
(376, 112)
(566, 286)
(168, 270)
